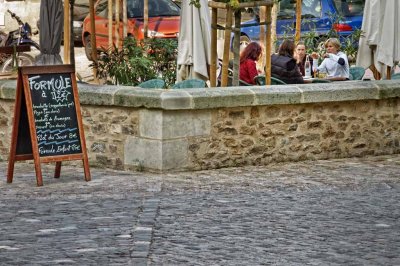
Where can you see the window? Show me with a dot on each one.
(309, 9)
(350, 8)
(156, 8)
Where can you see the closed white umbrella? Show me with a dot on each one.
(194, 42)
(380, 43)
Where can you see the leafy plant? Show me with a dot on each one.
(137, 62)
(162, 53)
(315, 42)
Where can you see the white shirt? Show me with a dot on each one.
(331, 66)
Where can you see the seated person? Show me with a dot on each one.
(335, 64)
(248, 58)
(284, 66)
(301, 56)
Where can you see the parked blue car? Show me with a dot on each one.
(316, 16)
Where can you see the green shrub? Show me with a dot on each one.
(137, 62)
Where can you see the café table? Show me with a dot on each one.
(316, 80)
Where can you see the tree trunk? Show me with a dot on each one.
(274, 17)
(146, 18)
(298, 21)
(110, 22)
(236, 48)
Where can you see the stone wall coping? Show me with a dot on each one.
(184, 99)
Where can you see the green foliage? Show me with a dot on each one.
(137, 62)
(163, 53)
(315, 42)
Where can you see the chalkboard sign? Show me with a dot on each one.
(54, 113)
(47, 104)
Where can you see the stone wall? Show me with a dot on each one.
(279, 133)
(169, 130)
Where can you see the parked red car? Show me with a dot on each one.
(164, 18)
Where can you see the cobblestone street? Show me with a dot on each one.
(335, 212)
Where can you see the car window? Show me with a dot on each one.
(350, 8)
(101, 8)
(309, 9)
(156, 8)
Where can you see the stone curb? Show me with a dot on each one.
(143, 231)
(226, 97)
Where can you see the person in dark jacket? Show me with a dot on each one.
(284, 66)
(248, 58)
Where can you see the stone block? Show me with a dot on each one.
(94, 95)
(282, 94)
(338, 91)
(388, 89)
(8, 89)
(137, 97)
(158, 124)
(156, 154)
(176, 100)
(222, 97)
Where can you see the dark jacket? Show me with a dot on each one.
(285, 69)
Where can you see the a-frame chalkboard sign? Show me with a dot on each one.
(47, 123)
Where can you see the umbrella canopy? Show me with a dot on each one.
(194, 42)
(380, 43)
(51, 31)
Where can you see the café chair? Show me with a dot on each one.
(189, 84)
(260, 80)
(396, 76)
(152, 84)
(356, 73)
(244, 83)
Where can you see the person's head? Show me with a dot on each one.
(332, 45)
(252, 51)
(286, 48)
(301, 49)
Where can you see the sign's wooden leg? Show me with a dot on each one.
(57, 172)
(86, 169)
(10, 171)
(38, 170)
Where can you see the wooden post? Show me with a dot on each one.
(110, 22)
(93, 38)
(146, 18)
(124, 19)
(298, 21)
(388, 72)
(227, 42)
(268, 48)
(67, 33)
(214, 54)
(274, 16)
(262, 26)
(236, 49)
(117, 23)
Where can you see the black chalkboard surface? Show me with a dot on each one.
(54, 113)
(47, 119)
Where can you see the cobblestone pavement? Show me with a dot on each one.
(336, 212)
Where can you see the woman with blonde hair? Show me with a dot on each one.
(335, 63)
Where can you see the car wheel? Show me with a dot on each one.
(88, 48)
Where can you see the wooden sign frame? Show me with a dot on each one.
(24, 100)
